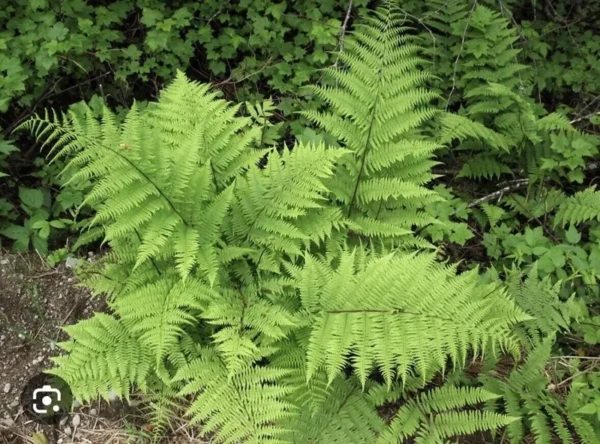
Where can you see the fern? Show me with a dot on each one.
(539, 298)
(476, 60)
(245, 406)
(168, 307)
(282, 207)
(146, 193)
(435, 415)
(338, 412)
(526, 395)
(375, 109)
(103, 356)
(264, 290)
(539, 203)
(483, 166)
(493, 213)
(581, 207)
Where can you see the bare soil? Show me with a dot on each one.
(35, 302)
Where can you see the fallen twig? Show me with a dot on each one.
(498, 194)
(579, 119)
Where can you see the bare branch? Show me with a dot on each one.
(343, 32)
(498, 194)
(579, 119)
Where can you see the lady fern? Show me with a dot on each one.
(245, 284)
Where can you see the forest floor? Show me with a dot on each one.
(35, 302)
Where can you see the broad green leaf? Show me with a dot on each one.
(31, 197)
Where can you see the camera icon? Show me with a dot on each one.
(46, 398)
(44, 395)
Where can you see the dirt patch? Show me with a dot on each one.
(35, 302)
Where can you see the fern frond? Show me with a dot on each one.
(166, 186)
(483, 166)
(273, 204)
(167, 308)
(404, 313)
(433, 416)
(103, 357)
(462, 128)
(540, 299)
(247, 406)
(581, 207)
(376, 109)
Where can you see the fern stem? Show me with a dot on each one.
(395, 311)
(367, 145)
(151, 260)
(244, 305)
(362, 310)
(145, 176)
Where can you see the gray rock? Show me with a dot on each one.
(9, 422)
(71, 262)
(7, 387)
(76, 420)
(93, 412)
(67, 430)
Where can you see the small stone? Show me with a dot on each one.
(71, 262)
(67, 430)
(76, 420)
(76, 403)
(7, 387)
(63, 421)
(112, 395)
(14, 403)
(4, 262)
(9, 422)
(60, 441)
(93, 412)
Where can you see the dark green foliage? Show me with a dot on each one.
(266, 269)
